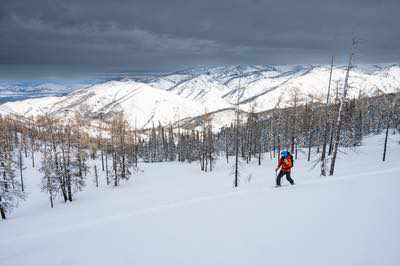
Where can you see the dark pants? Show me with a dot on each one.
(280, 175)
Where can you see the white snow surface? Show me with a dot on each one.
(204, 90)
(173, 214)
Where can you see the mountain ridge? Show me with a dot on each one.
(166, 98)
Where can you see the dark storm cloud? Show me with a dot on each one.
(154, 34)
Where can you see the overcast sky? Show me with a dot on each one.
(171, 33)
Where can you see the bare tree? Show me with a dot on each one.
(326, 126)
(237, 124)
(339, 120)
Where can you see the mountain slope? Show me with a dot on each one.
(264, 87)
(173, 214)
(141, 104)
(204, 90)
(169, 97)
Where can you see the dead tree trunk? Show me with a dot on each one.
(237, 138)
(107, 177)
(310, 138)
(237, 149)
(325, 137)
(2, 211)
(386, 140)
(96, 176)
(339, 115)
(20, 164)
(332, 124)
(102, 159)
(310, 132)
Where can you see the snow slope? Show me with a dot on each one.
(30, 107)
(142, 104)
(264, 87)
(204, 90)
(172, 214)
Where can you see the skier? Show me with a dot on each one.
(285, 163)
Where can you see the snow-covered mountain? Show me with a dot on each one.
(168, 97)
(265, 86)
(141, 104)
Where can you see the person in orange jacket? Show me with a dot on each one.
(286, 164)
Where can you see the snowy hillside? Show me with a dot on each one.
(189, 93)
(141, 104)
(263, 87)
(173, 214)
(203, 89)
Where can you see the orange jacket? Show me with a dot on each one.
(286, 164)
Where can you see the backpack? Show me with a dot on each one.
(291, 158)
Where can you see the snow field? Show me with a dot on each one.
(173, 214)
